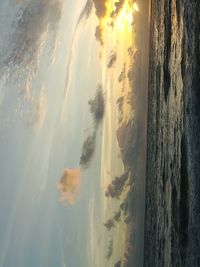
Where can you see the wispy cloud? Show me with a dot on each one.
(34, 23)
(84, 15)
(40, 110)
(37, 108)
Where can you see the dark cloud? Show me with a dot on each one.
(99, 34)
(116, 188)
(120, 106)
(117, 216)
(88, 150)
(101, 11)
(128, 140)
(118, 264)
(31, 26)
(112, 59)
(118, 7)
(85, 13)
(97, 106)
(97, 109)
(110, 250)
(109, 224)
(122, 75)
(100, 8)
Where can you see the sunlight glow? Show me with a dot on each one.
(136, 7)
(126, 17)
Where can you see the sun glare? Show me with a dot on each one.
(122, 23)
(126, 17)
(136, 7)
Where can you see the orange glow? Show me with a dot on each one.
(69, 185)
(119, 24)
(125, 18)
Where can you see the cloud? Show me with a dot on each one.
(118, 264)
(36, 110)
(118, 7)
(110, 250)
(27, 91)
(99, 34)
(112, 59)
(97, 109)
(109, 224)
(100, 8)
(88, 150)
(117, 216)
(40, 110)
(33, 24)
(97, 106)
(104, 9)
(69, 185)
(85, 13)
(122, 75)
(116, 188)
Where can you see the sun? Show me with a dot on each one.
(126, 16)
(136, 7)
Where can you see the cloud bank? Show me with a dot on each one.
(33, 23)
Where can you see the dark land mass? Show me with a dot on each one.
(172, 216)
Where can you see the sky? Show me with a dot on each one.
(54, 55)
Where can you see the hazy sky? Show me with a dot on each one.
(51, 63)
(41, 131)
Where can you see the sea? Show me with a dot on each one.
(172, 213)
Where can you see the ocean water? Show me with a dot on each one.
(172, 183)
